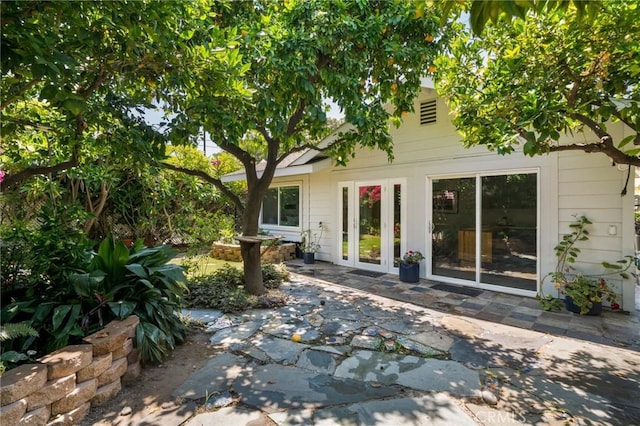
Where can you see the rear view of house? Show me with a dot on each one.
(481, 219)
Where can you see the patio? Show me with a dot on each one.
(614, 328)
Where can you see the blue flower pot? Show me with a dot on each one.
(309, 258)
(410, 272)
(595, 310)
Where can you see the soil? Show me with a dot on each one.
(151, 393)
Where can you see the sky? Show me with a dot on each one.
(206, 144)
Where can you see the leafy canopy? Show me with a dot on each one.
(77, 75)
(528, 82)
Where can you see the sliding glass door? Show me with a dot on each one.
(484, 230)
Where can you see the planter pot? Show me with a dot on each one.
(410, 272)
(308, 258)
(595, 310)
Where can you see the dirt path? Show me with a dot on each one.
(151, 393)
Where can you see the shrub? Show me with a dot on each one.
(273, 275)
(116, 283)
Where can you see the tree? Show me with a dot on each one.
(366, 56)
(76, 75)
(530, 81)
(482, 12)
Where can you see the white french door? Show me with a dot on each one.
(371, 218)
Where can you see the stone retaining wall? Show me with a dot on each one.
(61, 388)
(270, 254)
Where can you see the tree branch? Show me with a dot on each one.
(14, 179)
(597, 129)
(209, 179)
(20, 92)
(604, 146)
(296, 117)
(37, 126)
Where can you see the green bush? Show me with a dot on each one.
(117, 282)
(224, 288)
(273, 275)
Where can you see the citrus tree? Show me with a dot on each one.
(366, 56)
(76, 77)
(528, 82)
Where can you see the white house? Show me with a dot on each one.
(481, 219)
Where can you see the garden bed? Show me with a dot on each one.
(269, 253)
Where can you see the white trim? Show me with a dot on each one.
(278, 227)
(283, 172)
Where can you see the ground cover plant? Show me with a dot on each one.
(224, 289)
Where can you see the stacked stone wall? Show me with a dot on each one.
(60, 389)
(269, 254)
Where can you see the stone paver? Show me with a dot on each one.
(428, 410)
(228, 416)
(216, 376)
(275, 387)
(363, 359)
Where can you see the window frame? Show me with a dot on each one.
(278, 225)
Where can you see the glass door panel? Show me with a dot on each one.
(369, 224)
(344, 242)
(397, 224)
(509, 231)
(453, 237)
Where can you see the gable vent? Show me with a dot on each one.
(428, 112)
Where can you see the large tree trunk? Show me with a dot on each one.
(252, 268)
(251, 250)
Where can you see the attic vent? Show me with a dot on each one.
(428, 112)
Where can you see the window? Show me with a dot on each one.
(281, 206)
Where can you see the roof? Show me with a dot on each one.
(308, 160)
(297, 163)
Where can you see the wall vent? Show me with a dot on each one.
(428, 112)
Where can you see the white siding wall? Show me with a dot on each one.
(569, 183)
(588, 184)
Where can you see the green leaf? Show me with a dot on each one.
(138, 270)
(75, 106)
(123, 308)
(59, 314)
(626, 140)
(13, 357)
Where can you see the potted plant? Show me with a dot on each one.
(584, 293)
(410, 266)
(310, 244)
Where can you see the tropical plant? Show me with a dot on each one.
(584, 289)
(118, 282)
(8, 332)
(138, 280)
